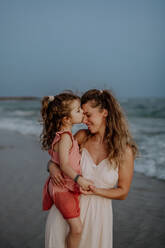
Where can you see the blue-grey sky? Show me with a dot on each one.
(51, 45)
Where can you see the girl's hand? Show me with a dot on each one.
(56, 174)
(84, 183)
(91, 191)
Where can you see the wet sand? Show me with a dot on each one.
(139, 221)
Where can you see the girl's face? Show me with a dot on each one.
(76, 112)
(94, 118)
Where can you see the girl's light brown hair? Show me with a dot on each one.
(53, 110)
(117, 133)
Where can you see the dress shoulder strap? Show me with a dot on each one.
(58, 137)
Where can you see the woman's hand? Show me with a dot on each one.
(92, 190)
(56, 174)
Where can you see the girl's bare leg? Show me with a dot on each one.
(74, 235)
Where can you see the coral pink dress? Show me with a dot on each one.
(65, 198)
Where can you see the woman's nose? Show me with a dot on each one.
(84, 119)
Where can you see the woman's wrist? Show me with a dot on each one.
(95, 191)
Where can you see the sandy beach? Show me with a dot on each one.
(139, 221)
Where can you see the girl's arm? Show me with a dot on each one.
(54, 170)
(64, 147)
(124, 181)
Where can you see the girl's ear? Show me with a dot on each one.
(66, 120)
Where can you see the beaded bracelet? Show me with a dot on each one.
(76, 177)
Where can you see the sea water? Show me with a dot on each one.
(146, 117)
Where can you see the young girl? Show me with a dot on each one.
(59, 113)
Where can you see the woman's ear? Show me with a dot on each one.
(105, 112)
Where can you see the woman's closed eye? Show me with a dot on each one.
(87, 115)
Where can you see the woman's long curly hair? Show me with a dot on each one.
(117, 133)
(53, 110)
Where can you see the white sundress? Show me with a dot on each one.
(96, 212)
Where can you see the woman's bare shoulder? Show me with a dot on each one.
(81, 135)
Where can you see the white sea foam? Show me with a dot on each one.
(150, 168)
(21, 113)
(22, 126)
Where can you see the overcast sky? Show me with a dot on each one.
(50, 45)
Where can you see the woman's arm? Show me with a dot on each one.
(80, 135)
(55, 173)
(124, 181)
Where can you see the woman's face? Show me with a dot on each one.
(94, 118)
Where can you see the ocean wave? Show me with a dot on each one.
(25, 127)
(151, 162)
(144, 120)
(147, 108)
(151, 133)
(150, 168)
(23, 113)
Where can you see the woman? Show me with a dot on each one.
(108, 153)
